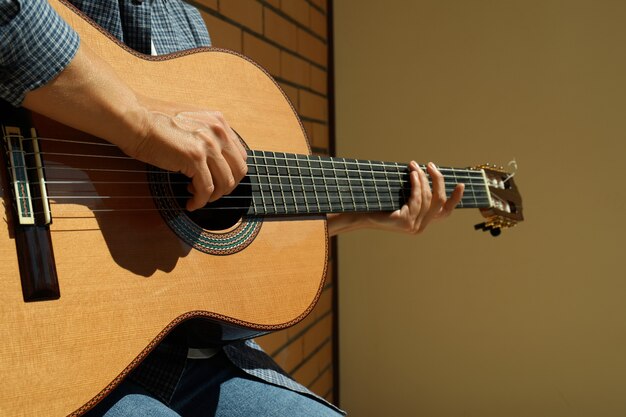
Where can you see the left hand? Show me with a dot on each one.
(423, 206)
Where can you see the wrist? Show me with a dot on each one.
(134, 125)
(345, 222)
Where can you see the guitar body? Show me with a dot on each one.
(126, 279)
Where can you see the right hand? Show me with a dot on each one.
(198, 143)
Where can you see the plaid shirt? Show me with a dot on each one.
(36, 45)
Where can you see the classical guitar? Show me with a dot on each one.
(100, 261)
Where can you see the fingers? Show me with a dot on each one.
(202, 188)
(415, 199)
(224, 157)
(216, 120)
(426, 198)
(453, 201)
(434, 204)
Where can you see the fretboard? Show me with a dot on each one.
(286, 183)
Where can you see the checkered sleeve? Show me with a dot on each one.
(35, 46)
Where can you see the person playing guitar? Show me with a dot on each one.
(48, 70)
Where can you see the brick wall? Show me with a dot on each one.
(289, 39)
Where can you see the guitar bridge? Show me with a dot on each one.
(31, 211)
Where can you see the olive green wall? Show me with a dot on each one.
(455, 322)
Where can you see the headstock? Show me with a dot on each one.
(506, 201)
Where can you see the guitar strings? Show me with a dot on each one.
(386, 176)
(254, 154)
(457, 174)
(289, 209)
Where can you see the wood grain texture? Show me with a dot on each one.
(125, 278)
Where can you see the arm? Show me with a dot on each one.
(44, 68)
(199, 144)
(422, 207)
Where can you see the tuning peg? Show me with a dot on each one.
(495, 231)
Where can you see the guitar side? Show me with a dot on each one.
(125, 278)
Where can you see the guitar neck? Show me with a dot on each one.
(289, 184)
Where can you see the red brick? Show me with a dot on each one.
(280, 30)
(324, 356)
(313, 106)
(307, 372)
(320, 135)
(291, 356)
(292, 93)
(247, 12)
(329, 270)
(330, 397)
(262, 52)
(319, 23)
(324, 383)
(312, 48)
(321, 331)
(297, 9)
(308, 127)
(273, 341)
(211, 4)
(307, 322)
(325, 303)
(320, 3)
(319, 80)
(295, 69)
(223, 35)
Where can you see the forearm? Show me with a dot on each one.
(89, 96)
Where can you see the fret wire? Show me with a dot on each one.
(254, 208)
(363, 186)
(338, 185)
(447, 179)
(402, 183)
(455, 180)
(395, 165)
(473, 193)
(270, 184)
(388, 185)
(261, 189)
(348, 182)
(374, 181)
(382, 176)
(306, 200)
(317, 200)
(280, 184)
(322, 169)
(293, 178)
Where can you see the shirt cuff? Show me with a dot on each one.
(35, 46)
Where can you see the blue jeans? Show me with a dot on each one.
(212, 387)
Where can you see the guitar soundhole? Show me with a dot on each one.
(222, 214)
(219, 228)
